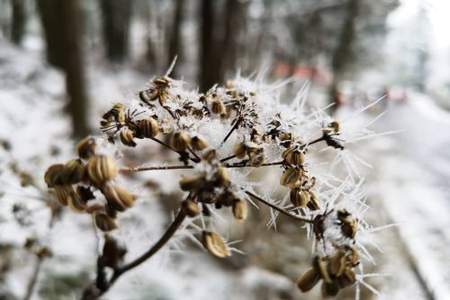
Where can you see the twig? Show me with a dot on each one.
(34, 277)
(227, 158)
(171, 148)
(141, 169)
(238, 121)
(279, 209)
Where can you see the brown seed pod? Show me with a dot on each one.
(349, 224)
(180, 140)
(73, 172)
(321, 266)
(308, 280)
(148, 128)
(198, 143)
(191, 208)
(313, 203)
(337, 264)
(293, 157)
(240, 209)
(299, 198)
(291, 177)
(222, 177)
(118, 197)
(100, 169)
(127, 137)
(217, 107)
(192, 182)
(86, 148)
(148, 95)
(215, 244)
(348, 278)
(64, 193)
(240, 150)
(104, 222)
(76, 203)
(330, 289)
(53, 174)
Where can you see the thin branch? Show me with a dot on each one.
(171, 148)
(277, 208)
(235, 126)
(34, 277)
(240, 165)
(155, 168)
(227, 158)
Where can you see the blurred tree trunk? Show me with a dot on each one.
(235, 15)
(175, 40)
(62, 24)
(52, 24)
(342, 56)
(116, 17)
(209, 68)
(74, 66)
(19, 19)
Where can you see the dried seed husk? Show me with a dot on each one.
(63, 193)
(100, 169)
(222, 177)
(127, 137)
(330, 289)
(256, 158)
(148, 128)
(214, 243)
(210, 155)
(294, 157)
(349, 224)
(308, 280)
(192, 182)
(73, 172)
(198, 143)
(299, 198)
(86, 148)
(240, 150)
(180, 140)
(348, 278)
(118, 197)
(53, 174)
(104, 222)
(94, 208)
(291, 177)
(113, 252)
(76, 203)
(313, 203)
(191, 208)
(217, 107)
(337, 264)
(148, 95)
(240, 209)
(322, 268)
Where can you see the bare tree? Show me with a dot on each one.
(18, 21)
(175, 39)
(116, 18)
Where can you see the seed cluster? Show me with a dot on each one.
(175, 118)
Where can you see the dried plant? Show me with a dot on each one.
(220, 137)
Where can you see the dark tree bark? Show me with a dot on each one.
(52, 25)
(175, 40)
(62, 25)
(74, 66)
(18, 21)
(209, 69)
(342, 56)
(116, 18)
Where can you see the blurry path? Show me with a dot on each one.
(415, 181)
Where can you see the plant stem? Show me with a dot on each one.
(170, 147)
(34, 277)
(279, 209)
(238, 121)
(227, 158)
(240, 165)
(141, 169)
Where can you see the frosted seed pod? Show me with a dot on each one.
(313, 203)
(53, 174)
(118, 197)
(321, 265)
(104, 222)
(86, 148)
(240, 209)
(330, 289)
(217, 107)
(73, 171)
(299, 198)
(308, 280)
(215, 244)
(291, 177)
(293, 157)
(337, 264)
(191, 208)
(198, 143)
(349, 224)
(100, 169)
(180, 140)
(148, 127)
(127, 137)
(149, 95)
(348, 278)
(191, 182)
